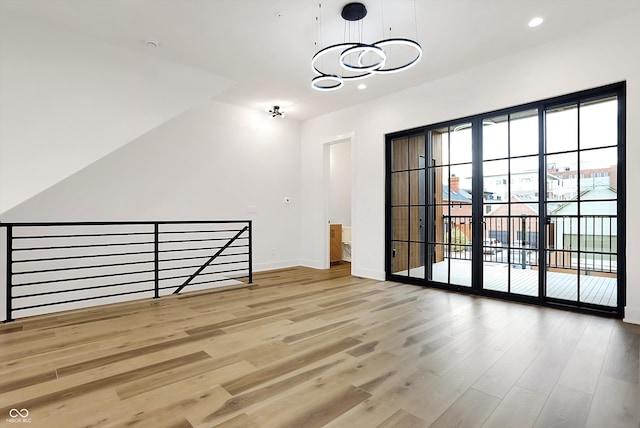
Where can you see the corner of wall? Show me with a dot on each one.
(632, 315)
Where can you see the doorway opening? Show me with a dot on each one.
(339, 195)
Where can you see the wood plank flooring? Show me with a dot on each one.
(308, 348)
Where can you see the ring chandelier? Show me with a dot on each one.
(353, 56)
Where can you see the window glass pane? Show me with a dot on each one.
(460, 182)
(399, 154)
(416, 152)
(439, 264)
(416, 253)
(399, 223)
(524, 179)
(416, 187)
(495, 181)
(439, 185)
(440, 147)
(461, 144)
(400, 258)
(562, 129)
(599, 123)
(524, 133)
(598, 169)
(562, 179)
(416, 219)
(495, 138)
(400, 188)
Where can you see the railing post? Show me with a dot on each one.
(9, 272)
(156, 261)
(250, 253)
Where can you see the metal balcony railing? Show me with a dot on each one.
(587, 243)
(58, 266)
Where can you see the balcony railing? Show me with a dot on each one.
(587, 243)
(58, 266)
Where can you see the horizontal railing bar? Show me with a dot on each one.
(201, 257)
(83, 257)
(198, 240)
(200, 249)
(203, 274)
(88, 235)
(197, 266)
(81, 300)
(93, 287)
(199, 231)
(53, 281)
(66, 247)
(82, 267)
(170, 287)
(212, 281)
(114, 223)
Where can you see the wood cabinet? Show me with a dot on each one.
(335, 242)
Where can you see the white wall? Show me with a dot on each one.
(340, 183)
(210, 163)
(603, 55)
(67, 100)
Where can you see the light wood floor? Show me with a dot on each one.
(306, 348)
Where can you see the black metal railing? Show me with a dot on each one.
(586, 242)
(60, 266)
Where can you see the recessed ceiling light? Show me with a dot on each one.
(536, 21)
(152, 43)
(362, 86)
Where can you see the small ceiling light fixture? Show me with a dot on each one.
(276, 112)
(362, 86)
(535, 22)
(353, 59)
(152, 43)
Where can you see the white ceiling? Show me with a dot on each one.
(265, 46)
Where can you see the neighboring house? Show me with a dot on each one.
(595, 235)
(497, 221)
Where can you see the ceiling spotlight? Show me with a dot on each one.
(535, 22)
(276, 112)
(152, 43)
(362, 86)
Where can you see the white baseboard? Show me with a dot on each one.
(632, 315)
(314, 264)
(368, 273)
(282, 264)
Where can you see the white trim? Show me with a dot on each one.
(368, 273)
(632, 315)
(260, 267)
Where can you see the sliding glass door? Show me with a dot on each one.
(450, 200)
(521, 203)
(581, 201)
(510, 203)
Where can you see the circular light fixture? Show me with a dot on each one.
(362, 86)
(152, 43)
(327, 82)
(363, 49)
(401, 42)
(535, 22)
(341, 47)
(360, 59)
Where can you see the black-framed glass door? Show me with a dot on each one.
(450, 204)
(510, 203)
(520, 203)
